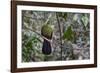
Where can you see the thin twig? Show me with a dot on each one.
(28, 28)
(37, 32)
(48, 19)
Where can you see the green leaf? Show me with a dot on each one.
(68, 34)
(27, 19)
(85, 20)
(75, 18)
(63, 15)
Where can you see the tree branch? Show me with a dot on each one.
(48, 19)
(60, 31)
(28, 28)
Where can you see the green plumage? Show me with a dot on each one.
(47, 31)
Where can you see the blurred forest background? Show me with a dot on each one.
(70, 39)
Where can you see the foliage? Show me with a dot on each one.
(70, 36)
(63, 15)
(29, 47)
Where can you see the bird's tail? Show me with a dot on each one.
(46, 49)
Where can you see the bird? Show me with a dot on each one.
(47, 32)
